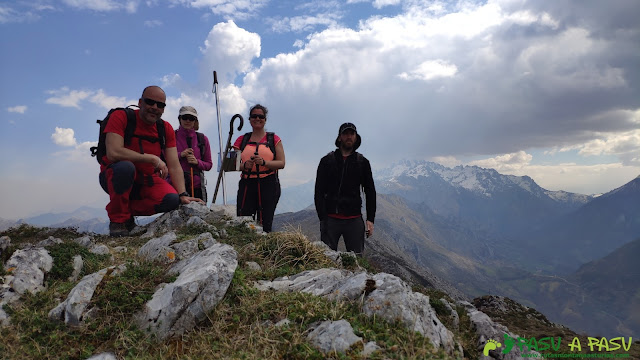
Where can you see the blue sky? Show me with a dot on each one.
(547, 89)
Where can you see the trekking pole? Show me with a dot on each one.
(221, 159)
(258, 179)
(224, 156)
(191, 166)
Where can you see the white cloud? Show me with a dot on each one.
(237, 9)
(378, 4)
(625, 146)
(67, 98)
(20, 109)
(153, 23)
(505, 163)
(73, 98)
(108, 102)
(230, 48)
(64, 137)
(103, 5)
(11, 15)
(429, 70)
(304, 23)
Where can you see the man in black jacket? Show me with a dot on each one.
(340, 175)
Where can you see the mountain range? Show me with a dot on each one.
(486, 233)
(474, 231)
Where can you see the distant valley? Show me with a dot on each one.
(487, 233)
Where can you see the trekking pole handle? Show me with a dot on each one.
(215, 77)
(231, 123)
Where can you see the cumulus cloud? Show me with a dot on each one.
(430, 70)
(67, 98)
(103, 5)
(9, 14)
(505, 163)
(107, 101)
(231, 48)
(304, 23)
(20, 109)
(236, 9)
(64, 137)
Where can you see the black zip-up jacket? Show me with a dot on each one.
(338, 184)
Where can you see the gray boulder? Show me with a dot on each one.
(202, 282)
(489, 330)
(157, 249)
(72, 310)
(333, 336)
(382, 295)
(28, 267)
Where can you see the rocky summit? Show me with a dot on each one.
(203, 283)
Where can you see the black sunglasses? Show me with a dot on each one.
(152, 102)
(189, 117)
(259, 116)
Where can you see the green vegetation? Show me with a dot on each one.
(242, 326)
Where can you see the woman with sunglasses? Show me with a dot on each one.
(194, 152)
(262, 156)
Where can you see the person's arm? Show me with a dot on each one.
(206, 163)
(370, 192)
(278, 162)
(177, 176)
(320, 191)
(117, 152)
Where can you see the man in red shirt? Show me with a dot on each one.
(134, 175)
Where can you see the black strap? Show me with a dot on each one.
(270, 142)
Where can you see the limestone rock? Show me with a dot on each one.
(330, 336)
(72, 310)
(202, 282)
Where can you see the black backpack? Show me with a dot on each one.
(100, 151)
(201, 144)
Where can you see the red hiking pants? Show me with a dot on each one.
(147, 196)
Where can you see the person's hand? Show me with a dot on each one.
(187, 199)
(248, 165)
(186, 152)
(369, 228)
(160, 167)
(258, 160)
(191, 159)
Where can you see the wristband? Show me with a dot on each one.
(264, 162)
(183, 194)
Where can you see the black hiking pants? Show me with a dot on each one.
(259, 198)
(351, 230)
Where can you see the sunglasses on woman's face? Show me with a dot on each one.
(189, 117)
(152, 102)
(259, 116)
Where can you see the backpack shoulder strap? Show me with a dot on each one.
(245, 140)
(201, 142)
(161, 134)
(131, 124)
(271, 143)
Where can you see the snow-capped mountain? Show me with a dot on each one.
(479, 180)
(505, 204)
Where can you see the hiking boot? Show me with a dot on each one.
(130, 224)
(118, 229)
